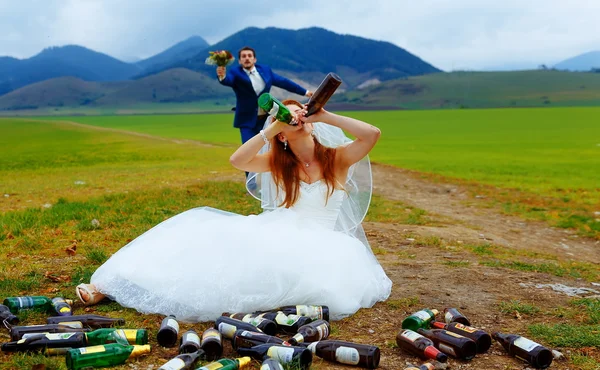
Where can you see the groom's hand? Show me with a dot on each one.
(221, 72)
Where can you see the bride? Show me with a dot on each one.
(307, 247)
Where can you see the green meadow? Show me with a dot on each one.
(91, 188)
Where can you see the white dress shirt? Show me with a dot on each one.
(257, 82)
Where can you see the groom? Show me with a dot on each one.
(249, 80)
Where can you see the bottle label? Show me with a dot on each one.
(323, 331)
(252, 320)
(314, 312)
(449, 317)
(211, 366)
(283, 355)
(313, 347)
(227, 330)
(49, 336)
(174, 364)
(286, 320)
(71, 324)
(211, 333)
(447, 349)
(191, 337)
(125, 336)
(347, 355)
(271, 366)
(25, 302)
(174, 324)
(92, 349)
(468, 329)
(423, 315)
(525, 344)
(411, 335)
(453, 334)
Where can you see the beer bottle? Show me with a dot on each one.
(228, 364)
(325, 90)
(248, 339)
(168, 332)
(62, 306)
(265, 325)
(17, 332)
(416, 344)
(482, 339)
(275, 108)
(111, 335)
(39, 341)
(190, 342)
(271, 364)
(525, 349)
(103, 355)
(314, 312)
(7, 317)
(212, 344)
(91, 321)
(311, 332)
(284, 354)
(15, 304)
(420, 319)
(184, 361)
(228, 325)
(62, 351)
(287, 324)
(425, 366)
(347, 353)
(451, 343)
(453, 315)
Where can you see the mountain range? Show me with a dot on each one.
(582, 62)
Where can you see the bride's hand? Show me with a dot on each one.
(315, 117)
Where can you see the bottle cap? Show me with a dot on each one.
(435, 312)
(434, 353)
(438, 325)
(244, 361)
(140, 350)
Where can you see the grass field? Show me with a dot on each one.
(56, 179)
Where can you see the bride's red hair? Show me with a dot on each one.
(285, 166)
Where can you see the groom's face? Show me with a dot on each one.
(247, 59)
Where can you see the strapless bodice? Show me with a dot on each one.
(312, 204)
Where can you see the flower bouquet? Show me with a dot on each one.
(219, 58)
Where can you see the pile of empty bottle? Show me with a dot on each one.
(286, 335)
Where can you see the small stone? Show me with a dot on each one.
(557, 355)
(95, 223)
(410, 239)
(79, 182)
(371, 331)
(47, 205)
(6, 195)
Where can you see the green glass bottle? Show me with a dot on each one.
(274, 107)
(104, 355)
(419, 320)
(122, 336)
(15, 304)
(228, 364)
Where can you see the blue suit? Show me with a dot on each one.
(246, 107)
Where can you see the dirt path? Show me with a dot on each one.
(473, 222)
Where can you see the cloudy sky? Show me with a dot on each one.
(450, 34)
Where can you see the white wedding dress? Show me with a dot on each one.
(205, 261)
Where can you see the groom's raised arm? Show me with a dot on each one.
(225, 78)
(289, 85)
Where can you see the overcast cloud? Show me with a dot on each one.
(457, 34)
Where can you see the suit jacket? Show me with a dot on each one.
(246, 107)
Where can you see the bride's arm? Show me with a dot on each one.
(366, 135)
(246, 157)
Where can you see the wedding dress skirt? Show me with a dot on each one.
(205, 261)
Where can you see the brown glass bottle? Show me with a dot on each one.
(265, 325)
(453, 315)
(284, 354)
(325, 90)
(6, 316)
(17, 332)
(37, 342)
(287, 324)
(314, 312)
(451, 343)
(482, 339)
(189, 342)
(228, 325)
(311, 332)
(184, 361)
(212, 344)
(347, 353)
(416, 344)
(91, 321)
(248, 339)
(522, 348)
(168, 332)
